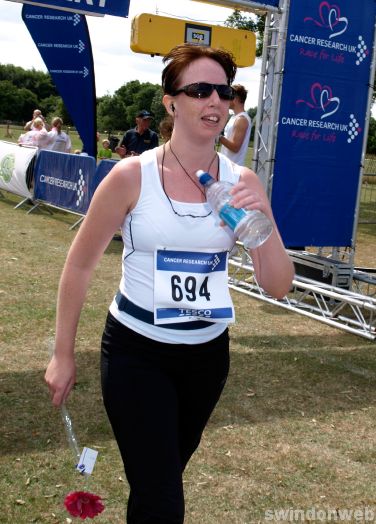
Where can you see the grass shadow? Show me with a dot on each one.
(271, 378)
(274, 378)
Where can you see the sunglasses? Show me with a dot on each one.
(204, 90)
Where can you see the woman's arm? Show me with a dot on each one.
(273, 267)
(234, 143)
(114, 198)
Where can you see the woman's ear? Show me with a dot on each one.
(168, 102)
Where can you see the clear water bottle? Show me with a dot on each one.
(252, 228)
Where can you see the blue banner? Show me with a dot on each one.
(64, 44)
(187, 261)
(212, 313)
(103, 168)
(94, 7)
(64, 180)
(322, 119)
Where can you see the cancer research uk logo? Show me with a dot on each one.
(327, 40)
(322, 105)
(329, 16)
(79, 187)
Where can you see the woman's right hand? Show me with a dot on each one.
(60, 377)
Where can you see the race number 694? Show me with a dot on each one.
(186, 288)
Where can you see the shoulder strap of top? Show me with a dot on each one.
(228, 171)
(149, 170)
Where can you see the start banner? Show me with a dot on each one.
(322, 118)
(64, 180)
(63, 41)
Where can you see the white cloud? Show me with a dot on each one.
(114, 62)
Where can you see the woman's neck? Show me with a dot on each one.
(191, 154)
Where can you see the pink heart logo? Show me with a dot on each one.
(325, 10)
(330, 15)
(316, 94)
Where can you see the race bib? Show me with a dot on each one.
(191, 285)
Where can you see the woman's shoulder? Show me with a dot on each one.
(123, 182)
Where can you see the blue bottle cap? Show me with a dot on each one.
(203, 177)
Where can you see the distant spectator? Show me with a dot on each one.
(237, 132)
(105, 151)
(37, 113)
(140, 139)
(37, 136)
(59, 140)
(165, 127)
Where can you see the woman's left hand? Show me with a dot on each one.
(247, 197)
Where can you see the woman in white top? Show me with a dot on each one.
(37, 136)
(165, 357)
(60, 141)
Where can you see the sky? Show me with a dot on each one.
(115, 63)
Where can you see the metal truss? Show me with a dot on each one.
(352, 311)
(269, 94)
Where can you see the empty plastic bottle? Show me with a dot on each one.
(252, 228)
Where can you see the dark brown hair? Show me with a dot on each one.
(240, 92)
(183, 55)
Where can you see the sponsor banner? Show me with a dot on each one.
(92, 7)
(63, 180)
(321, 122)
(103, 168)
(187, 261)
(14, 163)
(64, 44)
(176, 314)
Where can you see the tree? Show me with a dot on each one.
(254, 23)
(371, 143)
(118, 112)
(16, 104)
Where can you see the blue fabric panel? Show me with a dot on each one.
(63, 41)
(64, 180)
(322, 120)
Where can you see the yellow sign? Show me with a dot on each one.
(157, 35)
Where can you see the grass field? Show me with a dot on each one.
(294, 429)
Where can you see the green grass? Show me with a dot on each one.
(294, 427)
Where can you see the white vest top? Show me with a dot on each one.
(239, 157)
(151, 224)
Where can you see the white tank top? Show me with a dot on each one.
(239, 157)
(151, 224)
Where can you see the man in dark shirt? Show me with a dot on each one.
(141, 138)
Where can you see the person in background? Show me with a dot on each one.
(37, 113)
(161, 380)
(166, 126)
(105, 151)
(37, 136)
(237, 132)
(60, 141)
(141, 138)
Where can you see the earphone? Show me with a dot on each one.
(172, 107)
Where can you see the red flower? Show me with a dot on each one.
(83, 504)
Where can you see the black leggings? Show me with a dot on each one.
(158, 398)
